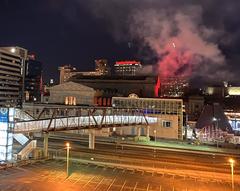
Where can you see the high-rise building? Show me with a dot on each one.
(12, 62)
(33, 79)
(66, 72)
(101, 67)
(127, 68)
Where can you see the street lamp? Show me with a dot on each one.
(68, 148)
(155, 139)
(122, 143)
(232, 161)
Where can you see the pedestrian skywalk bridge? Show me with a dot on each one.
(89, 120)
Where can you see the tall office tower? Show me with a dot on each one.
(12, 62)
(127, 68)
(101, 67)
(33, 79)
(66, 72)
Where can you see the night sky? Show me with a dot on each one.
(77, 32)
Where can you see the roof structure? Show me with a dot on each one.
(213, 115)
(71, 86)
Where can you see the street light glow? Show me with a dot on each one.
(232, 161)
(214, 119)
(13, 50)
(68, 148)
(68, 145)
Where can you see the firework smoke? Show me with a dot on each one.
(183, 35)
(180, 41)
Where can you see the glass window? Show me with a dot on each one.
(71, 100)
(167, 124)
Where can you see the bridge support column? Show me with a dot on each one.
(91, 139)
(30, 135)
(45, 145)
(148, 132)
(139, 131)
(121, 131)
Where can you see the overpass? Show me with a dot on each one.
(76, 118)
(64, 118)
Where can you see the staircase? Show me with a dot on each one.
(27, 145)
(20, 138)
(27, 149)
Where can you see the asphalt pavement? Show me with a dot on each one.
(51, 175)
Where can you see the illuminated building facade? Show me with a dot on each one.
(101, 67)
(127, 68)
(66, 72)
(173, 86)
(6, 133)
(12, 62)
(33, 80)
(234, 120)
(71, 93)
(169, 113)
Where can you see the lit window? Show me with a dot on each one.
(167, 124)
(70, 100)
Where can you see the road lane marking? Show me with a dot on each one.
(135, 186)
(78, 179)
(89, 181)
(148, 187)
(123, 185)
(98, 183)
(67, 178)
(59, 175)
(111, 184)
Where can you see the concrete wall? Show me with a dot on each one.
(165, 132)
(161, 131)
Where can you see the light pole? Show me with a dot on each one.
(232, 161)
(155, 140)
(122, 143)
(155, 135)
(68, 149)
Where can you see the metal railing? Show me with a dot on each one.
(24, 153)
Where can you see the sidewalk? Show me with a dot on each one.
(190, 147)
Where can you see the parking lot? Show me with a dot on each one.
(51, 175)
